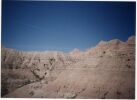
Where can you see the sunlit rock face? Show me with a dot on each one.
(105, 71)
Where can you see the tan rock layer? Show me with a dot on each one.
(105, 71)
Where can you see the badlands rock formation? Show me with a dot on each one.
(105, 71)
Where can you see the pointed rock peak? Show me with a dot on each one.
(102, 43)
(115, 41)
(76, 50)
(131, 40)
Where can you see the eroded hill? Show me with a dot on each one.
(105, 71)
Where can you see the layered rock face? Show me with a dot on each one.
(21, 68)
(105, 71)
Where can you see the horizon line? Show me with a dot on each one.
(65, 50)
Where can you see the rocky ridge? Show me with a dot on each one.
(105, 71)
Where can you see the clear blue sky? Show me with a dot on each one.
(33, 25)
